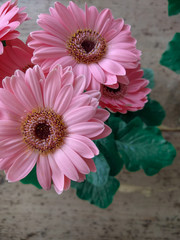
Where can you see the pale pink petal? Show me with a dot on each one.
(79, 101)
(43, 172)
(23, 93)
(51, 88)
(83, 69)
(80, 147)
(63, 99)
(121, 55)
(57, 175)
(112, 67)
(77, 161)
(110, 79)
(66, 18)
(101, 19)
(88, 129)
(91, 16)
(87, 141)
(65, 164)
(22, 166)
(9, 128)
(97, 72)
(77, 115)
(78, 15)
(62, 60)
(34, 84)
(15, 106)
(79, 85)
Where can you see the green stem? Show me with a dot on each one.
(168, 129)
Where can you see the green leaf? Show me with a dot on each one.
(149, 75)
(152, 114)
(173, 7)
(144, 148)
(31, 178)
(100, 177)
(99, 196)
(171, 57)
(108, 147)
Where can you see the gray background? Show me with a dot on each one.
(144, 208)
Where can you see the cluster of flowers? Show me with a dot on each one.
(55, 87)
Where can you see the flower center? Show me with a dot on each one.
(86, 46)
(43, 130)
(114, 92)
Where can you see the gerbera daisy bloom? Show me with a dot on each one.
(10, 18)
(94, 44)
(129, 94)
(49, 121)
(16, 55)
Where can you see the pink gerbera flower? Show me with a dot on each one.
(49, 122)
(16, 55)
(129, 94)
(10, 18)
(94, 44)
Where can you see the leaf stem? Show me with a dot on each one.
(168, 129)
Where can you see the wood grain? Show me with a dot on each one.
(144, 208)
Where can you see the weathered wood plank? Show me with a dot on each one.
(146, 208)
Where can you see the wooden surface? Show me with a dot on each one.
(144, 208)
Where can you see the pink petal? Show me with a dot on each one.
(110, 79)
(89, 129)
(121, 55)
(51, 88)
(77, 115)
(107, 131)
(79, 85)
(63, 99)
(112, 67)
(78, 15)
(6, 98)
(80, 147)
(66, 18)
(34, 84)
(57, 175)
(23, 93)
(91, 16)
(62, 60)
(43, 172)
(67, 183)
(79, 101)
(65, 165)
(51, 52)
(90, 164)
(22, 166)
(104, 15)
(77, 161)
(9, 128)
(67, 78)
(102, 114)
(97, 72)
(83, 69)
